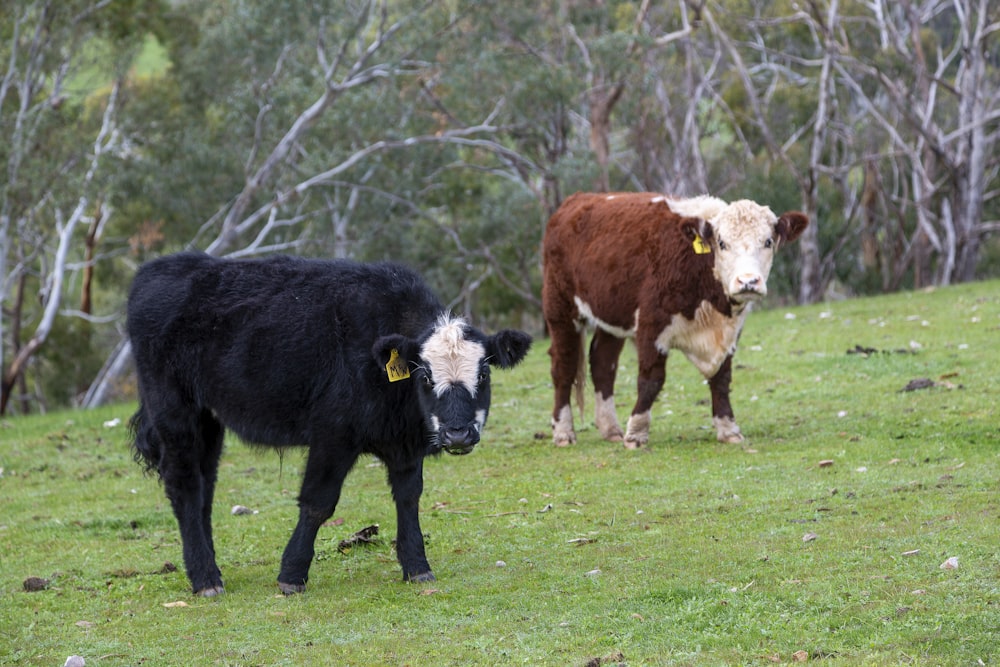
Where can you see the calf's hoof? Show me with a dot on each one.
(291, 589)
(211, 591)
(420, 578)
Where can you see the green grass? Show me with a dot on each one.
(693, 551)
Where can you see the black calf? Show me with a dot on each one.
(343, 358)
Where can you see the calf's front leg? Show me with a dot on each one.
(407, 484)
(726, 429)
(318, 498)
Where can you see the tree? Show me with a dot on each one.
(55, 157)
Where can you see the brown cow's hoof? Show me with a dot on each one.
(564, 439)
(211, 592)
(732, 438)
(422, 577)
(291, 589)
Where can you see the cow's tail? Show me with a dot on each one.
(144, 448)
(580, 382)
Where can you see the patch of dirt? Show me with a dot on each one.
(35, 584)
(616, 658)
(869, 351)
(367, 535)
(927, 383)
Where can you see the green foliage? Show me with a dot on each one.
(689, 552)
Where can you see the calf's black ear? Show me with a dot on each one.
(507, 348)
(399, 351)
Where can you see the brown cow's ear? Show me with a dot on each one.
(700, 233)
(791, 225)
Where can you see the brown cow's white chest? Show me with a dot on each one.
(705, 340)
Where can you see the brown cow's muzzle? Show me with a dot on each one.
(749, 287)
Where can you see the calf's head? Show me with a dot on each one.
(743, 237)
(450, 369)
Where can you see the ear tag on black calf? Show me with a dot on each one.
(699, 245)
(396, 368)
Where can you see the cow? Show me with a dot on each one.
(340, 357)
(670, 273)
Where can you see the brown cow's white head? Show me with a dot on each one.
(743, 236)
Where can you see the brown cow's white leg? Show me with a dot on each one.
(722, 412)
(637, 431)
(727, 430)
(562, 427)
(605, 348)
(652, 372)
(566, 352)
(606, 419)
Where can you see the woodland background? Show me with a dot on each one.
(444, 133)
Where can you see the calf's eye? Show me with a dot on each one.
(722, 244)
(768, 243)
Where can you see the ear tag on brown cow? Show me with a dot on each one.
(699, 245)
(396, 368)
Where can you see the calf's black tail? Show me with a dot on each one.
(145, 450)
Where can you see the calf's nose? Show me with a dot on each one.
(459, 440)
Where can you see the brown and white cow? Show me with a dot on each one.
(669, 273)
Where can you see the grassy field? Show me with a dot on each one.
(821, 539)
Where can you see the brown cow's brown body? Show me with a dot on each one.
(642, 266)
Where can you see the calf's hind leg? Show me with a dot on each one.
(190, 448)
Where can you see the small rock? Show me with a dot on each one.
(240, 509)
(950, 564)
(501, 563)
(826, 463)
(74, 661)
(809, 537)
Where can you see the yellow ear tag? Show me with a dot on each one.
(700, 247)
(396, 368)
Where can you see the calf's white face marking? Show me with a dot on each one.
(743, 241)
(452, 359)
